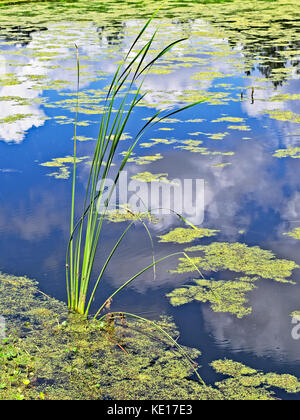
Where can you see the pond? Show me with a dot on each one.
(242, 142)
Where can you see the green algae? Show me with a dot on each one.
(221, 165)
(203, 150)
(237, 257)
(223, 296)
(61, 163)
(248, 383)
(14, 118)
(284, 116)
(295, 233)
(149, 177)
(154, 142)
(144, 160)
(239, 127)
(293, 152)
(185, 235)
(229, 119)
(84, 361)
(126, 214)
(49, 354)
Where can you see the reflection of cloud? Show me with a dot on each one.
(37, 65)
(35, 220)
(267, 331)
(47, 59)
(15, 131)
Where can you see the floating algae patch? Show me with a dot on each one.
(223, 296)
(185, 235)
(203, 150)
(295, 233)
(229, 119)
(221, 165)
(61, 163)
(154, 142)
(239, 127)
(144, 160)
(250, 384)
(126, 214)
(237, 257)
(149, 177)
(293, 152)
(14, 118)
(284, 116)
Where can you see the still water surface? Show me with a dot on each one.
(245, 61)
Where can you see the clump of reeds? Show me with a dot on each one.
(86, 232)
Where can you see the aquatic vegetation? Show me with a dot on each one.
(154, 142)
(144, 160)
(118, 359)
(237, 257)
(149, 177)
(86, 232)
(125, 213)
(61, 164)
(263, 37)
(190, 147)
(224, 296)
(293, 152)
(248, 383)
(184, 235)
(239, 127)
(229, 119)
(221, 165)
(284, 116)
(13, 118)
(295, 233)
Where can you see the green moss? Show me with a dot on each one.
(184, 235)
